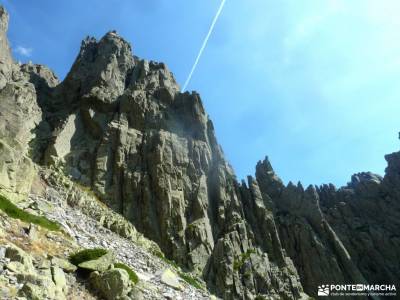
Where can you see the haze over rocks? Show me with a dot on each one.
(117, 128)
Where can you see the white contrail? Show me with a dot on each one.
(204, 45)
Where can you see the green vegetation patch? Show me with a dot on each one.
(191, 280)
(238, 263)
(15, 212)
(132, 275)
(86, 255)
(185, 276)
(161, 256)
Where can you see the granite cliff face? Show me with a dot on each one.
(20, 114)
(339, 235)
(118, 125)
(150, 153)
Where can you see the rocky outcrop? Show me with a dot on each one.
(44, 280)
(5, 52)
(150, 153)
(119, 126)
(366, 217)
(20, 115)
(339, 236)
(113, 284)
(23, 89)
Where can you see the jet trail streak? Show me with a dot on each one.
(203, 46)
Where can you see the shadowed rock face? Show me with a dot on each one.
(119, 125)
(341, 236)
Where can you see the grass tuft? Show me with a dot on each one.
(86, 255)
(191, 280)
(15, 212)
(238, 263)
(132, 275)
(185, 276)
(161, 256)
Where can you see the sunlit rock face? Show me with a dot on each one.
(119, 125)
(150, 152)
(20, 114)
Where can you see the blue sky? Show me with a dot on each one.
(313, 84)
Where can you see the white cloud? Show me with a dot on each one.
(24, 51)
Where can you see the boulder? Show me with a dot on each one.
(39, 287)
(59, 280)
(20, 261)
(19, 268)
(112, 284)
(171, 279)
(101, 264)
(31, 291)
(63, 264)
(15, 253)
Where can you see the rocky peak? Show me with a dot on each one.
(269, 182)
(365, 182)
(101, 70)
(364, 177)
(392, 171)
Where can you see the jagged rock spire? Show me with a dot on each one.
(269, 182)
